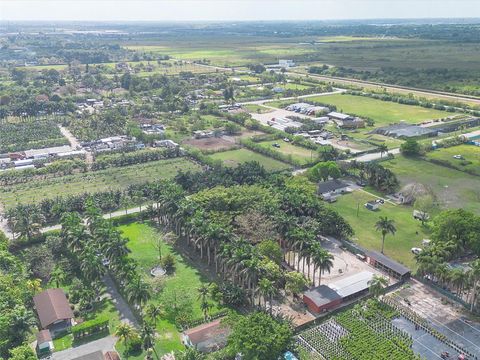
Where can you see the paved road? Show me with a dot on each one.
(374, 156)
(104, 344)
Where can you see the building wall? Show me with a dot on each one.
(312, 307)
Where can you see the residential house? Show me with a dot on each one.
(207, 337)
(53, 310)
(332, 187)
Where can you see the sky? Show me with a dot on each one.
(226, 10)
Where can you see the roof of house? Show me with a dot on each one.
(331, 185)
(386, 261)
(97, 355)
(322, 295)
(112, 355)
(353, 284)
(52, 305)
(209, 336)
(44, 336)
(338, 115)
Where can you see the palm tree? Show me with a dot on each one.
(138, 292)
(203, 292)
(205, 306)
(268, 290)
(91, 264)
(377, 284)
(153, 312)
(385, 225)
(148, 336)
(474, 274)
(383, 149)
(125, 332)
(190, 354)
(323, 261)
(58, 276)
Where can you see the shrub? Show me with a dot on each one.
(168, 263)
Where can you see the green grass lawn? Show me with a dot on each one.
(185, 281)
(258, 109)
(298, 153)
(471, 155)
(383, 112)
(455, 189)
(113, 178)
(398, 246)
(235, 157)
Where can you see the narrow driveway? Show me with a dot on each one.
(126, 314)
(374, 156)
(104, 344)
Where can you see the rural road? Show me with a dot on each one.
(75, 144)
(398, 89)
(374, 156)
(261, 102)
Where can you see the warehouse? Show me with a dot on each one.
(326, 297)
(387, 265)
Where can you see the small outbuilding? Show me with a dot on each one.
(387, 265)
(207, 337)
(321, 298)
(372, 205)
(44, 341)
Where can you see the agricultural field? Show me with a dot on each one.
(455, 189)
(410, 232)
(235, 157)
(29, 134)
(298, 153)
(470, 161)
(181, 285)
(383, 112)
(364, 332)
(112, 178)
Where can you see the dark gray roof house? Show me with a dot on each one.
(325, 187)
(53, 309)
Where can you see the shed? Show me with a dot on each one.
(44, 340)
(387, 265)
(352, 286)
(372, 205)
(321, 298)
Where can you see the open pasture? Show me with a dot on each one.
(469, 162)
(298, 153)
(455, 189)
(235, 157)
(383, 112)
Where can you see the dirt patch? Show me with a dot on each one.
(221, 143)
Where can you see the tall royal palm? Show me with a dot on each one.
(377, 284)
(474, 275)
(138, 292)
(125, 332)
(323, 261)
(386, 226)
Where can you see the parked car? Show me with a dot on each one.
(276, 145)
(416, 250)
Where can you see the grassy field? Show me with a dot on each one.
(383, 112)
(298, 153)
(470, 161)
(258, 109)
(113, 178)
(410, 232)
(184, 282)
(235, 157)
(454, 188)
